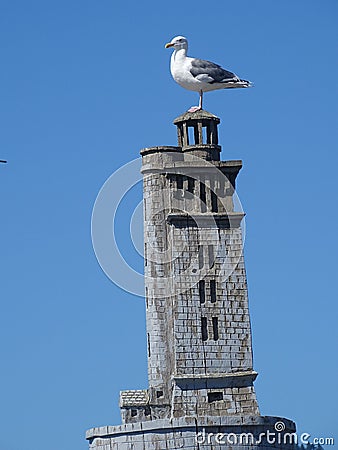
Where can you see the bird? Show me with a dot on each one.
(199, 75)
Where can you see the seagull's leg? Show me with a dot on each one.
(199, 107)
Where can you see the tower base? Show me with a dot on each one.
(235, 432)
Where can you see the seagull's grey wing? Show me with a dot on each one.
(210, 72)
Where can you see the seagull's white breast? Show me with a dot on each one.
(180, 66)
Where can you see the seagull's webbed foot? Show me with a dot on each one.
(194, 109)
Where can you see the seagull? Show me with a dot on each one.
(199, 75)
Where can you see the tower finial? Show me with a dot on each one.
(203, 140)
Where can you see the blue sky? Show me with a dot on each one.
(84, 86)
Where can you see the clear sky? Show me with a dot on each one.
(84, 86)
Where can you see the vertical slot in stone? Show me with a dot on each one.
(200, 257)
(203, 197)
(148, 344)
(211, 256)
(179, 182)
(204, 329)
(215, 328)
(213, 291)
(191, 184)
(214, 203)
(201, 289)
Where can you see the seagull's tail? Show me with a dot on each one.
(236, 83)
(244, 83)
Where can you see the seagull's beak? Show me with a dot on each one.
(169, 45)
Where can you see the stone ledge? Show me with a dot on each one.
(233, 423)
(248, 373)
(195, 147)
(159, 149)
(187, 166)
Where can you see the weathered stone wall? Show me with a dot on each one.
(222, 297)
(159, 305)
(223, 433)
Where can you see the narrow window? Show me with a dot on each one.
(147, 411)
(148, 345)
(204, 329)
(201, 289)
(191, 184)
(159, 394)
(203, 197)
(200, 256)
(214, 205)
(215, 328)
(215, 396)
(145, 255)
(213, 291)
(133, 412)
(179, 182)
(191, 135)
(211, 256)
(204, 134)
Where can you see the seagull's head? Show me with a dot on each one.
(178, 42)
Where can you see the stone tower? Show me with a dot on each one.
(200, 369)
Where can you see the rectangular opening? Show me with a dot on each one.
(214, 204)
(203, 197)
(159, 394)
(191, 184)
(145, 255)
(213, 291)
(179, 182)
(201, 289)
(215, 396)
(191, 135)
(204, 134)
(211, 256)
(148, 344)
(204, 329)
(215, 328)
(200, 256)
(133, 412)
(208, 141)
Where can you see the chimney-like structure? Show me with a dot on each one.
(200, 366)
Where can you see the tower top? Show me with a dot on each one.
(198, 115)
(197, 132)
